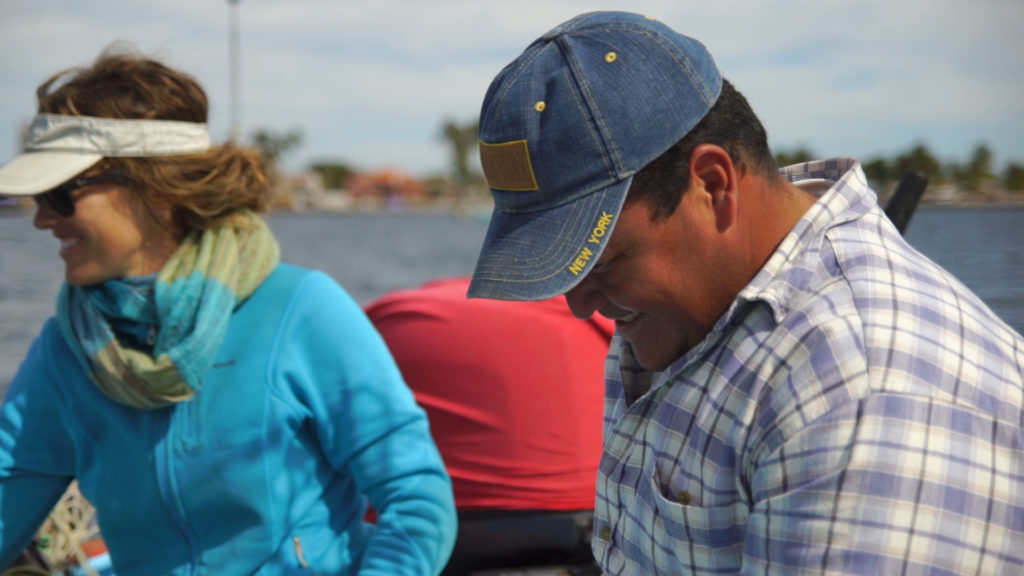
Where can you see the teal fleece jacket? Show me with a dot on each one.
(303, 420)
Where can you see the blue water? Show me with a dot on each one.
(371, 254)
(983, 247)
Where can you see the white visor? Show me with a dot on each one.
(59, 147)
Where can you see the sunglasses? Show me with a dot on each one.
(60, 198)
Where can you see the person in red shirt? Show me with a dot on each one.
(514, 395)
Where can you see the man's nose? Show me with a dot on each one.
(584, 299)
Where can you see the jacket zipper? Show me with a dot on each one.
(169, 488)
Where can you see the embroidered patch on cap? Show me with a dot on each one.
(507, 166)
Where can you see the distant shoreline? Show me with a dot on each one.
(943, 196)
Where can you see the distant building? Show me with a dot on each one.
(305, 190)
(386, 189)
(16, 202)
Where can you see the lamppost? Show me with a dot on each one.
(233, 64)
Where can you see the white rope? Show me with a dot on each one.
(71, 523)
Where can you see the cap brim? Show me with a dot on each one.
(36, 172)
(540, 255)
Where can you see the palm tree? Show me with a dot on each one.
(462, 141)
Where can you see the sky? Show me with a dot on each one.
(370, 84)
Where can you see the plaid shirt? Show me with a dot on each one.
(856, 410)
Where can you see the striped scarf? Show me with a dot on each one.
(189, 302)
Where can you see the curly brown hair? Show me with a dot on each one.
(202, 189)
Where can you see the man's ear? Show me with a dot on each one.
(713, 173)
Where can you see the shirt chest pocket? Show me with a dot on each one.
(695, 536)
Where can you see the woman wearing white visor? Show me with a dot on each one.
(225, 413)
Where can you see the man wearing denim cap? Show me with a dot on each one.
(792, 389)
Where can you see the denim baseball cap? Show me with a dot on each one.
(563, 129)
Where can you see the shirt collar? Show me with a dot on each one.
(843, 196)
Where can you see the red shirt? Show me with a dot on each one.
(514, 392)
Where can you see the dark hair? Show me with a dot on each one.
(731, 124)
(202, 189)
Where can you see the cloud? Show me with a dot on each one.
(370, 83)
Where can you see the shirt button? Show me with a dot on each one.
(683, 497)
(606, 533)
